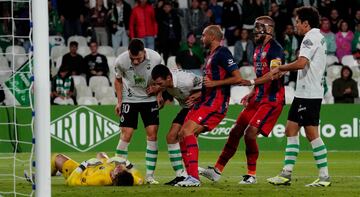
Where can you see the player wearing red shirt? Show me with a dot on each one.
(262, 106)
(211, 109)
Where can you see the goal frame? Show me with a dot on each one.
(40, 26)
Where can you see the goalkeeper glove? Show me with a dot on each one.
(90, 162)
(121, 160)
(93, 162)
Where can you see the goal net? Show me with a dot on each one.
(18, 141)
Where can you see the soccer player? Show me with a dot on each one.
(263, 105)
(132, 84)
(96, 171)
(206, 114)
(185, 87)
(305, 109)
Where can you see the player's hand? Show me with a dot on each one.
(152, 89)
(119, 160)
(191, 100)
(118, 109)
(274, 73)
(245, 82)
(245, 100)
(160, 101)
(209, 83)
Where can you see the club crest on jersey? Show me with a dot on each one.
(148, 66)
(307, 43)
(263, 54)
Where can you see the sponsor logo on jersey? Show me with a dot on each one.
(230, 62)
(139, 80)
(196, 81)
(83, 129)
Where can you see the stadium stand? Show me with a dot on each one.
(81, 40)
(83, 50)
(87, 101)
(98, 81)
(106, 50)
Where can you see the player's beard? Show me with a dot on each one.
(260, 40)
(207, 44)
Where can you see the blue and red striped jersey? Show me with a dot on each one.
(218, 66)
(265, 56)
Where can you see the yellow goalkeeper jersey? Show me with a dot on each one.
(94, 175)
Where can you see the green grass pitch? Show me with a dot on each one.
(344, 169)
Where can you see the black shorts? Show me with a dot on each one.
(180, 117)
(149, 112)
(305, 112)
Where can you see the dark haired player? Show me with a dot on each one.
(132, 85)
(305, 109)
(185, 88)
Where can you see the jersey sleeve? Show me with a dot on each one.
(308, 47)
(196, 82)
(276, 56)
(158, 59)
(118, 70)
(189, 81)
(227, 60)
(119, 65)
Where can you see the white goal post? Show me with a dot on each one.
(42, 97)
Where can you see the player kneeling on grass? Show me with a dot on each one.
(101, 170)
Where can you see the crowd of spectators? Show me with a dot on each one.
(175, 30)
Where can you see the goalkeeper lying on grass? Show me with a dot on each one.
(101, 170)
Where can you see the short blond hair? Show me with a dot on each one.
(215, 30)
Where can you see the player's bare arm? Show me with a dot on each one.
(191, 99)
(299, 64)
(261, 80)
(160, 100)
(153, 89)
(118, 89)
(234, 79)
